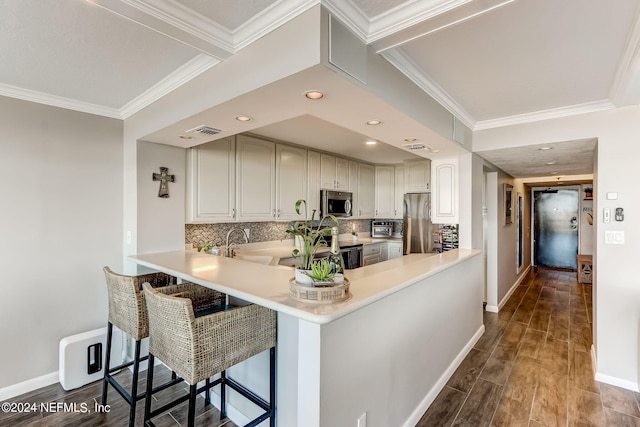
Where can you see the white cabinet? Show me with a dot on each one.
(394, 250)
(398, 209)
(444, 192)
(255, 178)
(353, 187)
(334, 172)
(371, 254)
(417, 175)
(313, 183)
(385, 191)
(211, 182)
(366, 191)
(291, 180)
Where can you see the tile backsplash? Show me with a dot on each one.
(197, 234)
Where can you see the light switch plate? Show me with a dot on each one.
(614, 237)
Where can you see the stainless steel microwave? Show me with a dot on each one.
(336, 203)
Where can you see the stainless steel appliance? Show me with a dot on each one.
(382, 229)
(336, 203)
(351, 254)
(416, 233)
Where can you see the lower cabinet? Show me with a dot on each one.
(371, 254)
(394, 250)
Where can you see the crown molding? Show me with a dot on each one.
(268, 20)
(406, 66)
(627, 78)
(351, 16)
(552, 113)
(58, 101)
(199, 64)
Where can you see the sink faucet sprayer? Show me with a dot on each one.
(227, 251)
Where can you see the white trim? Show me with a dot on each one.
(399, 59)
(57, 101)
(517, 283)
(552, 113)
(29, 385)
(351, 16)
(196, 66)
(442, 381)
(629, 385)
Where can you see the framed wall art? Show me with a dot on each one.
(508, 204)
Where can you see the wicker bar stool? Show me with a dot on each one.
(198, 346)
(128, 311)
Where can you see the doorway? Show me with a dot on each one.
(555, 226)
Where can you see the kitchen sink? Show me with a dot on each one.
(259, 259)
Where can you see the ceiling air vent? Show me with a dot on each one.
(205, 130)
(414, 146)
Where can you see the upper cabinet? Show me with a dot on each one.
(255, 177)
(334, 172)
(211, 182)
(398, 208)
(417, 176)
(444, 194)
(385, 191)
(291, 180)
(313, 183)
(366, 191)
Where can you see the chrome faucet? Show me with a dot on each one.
(227, 251)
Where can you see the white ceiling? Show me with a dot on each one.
(489, 62)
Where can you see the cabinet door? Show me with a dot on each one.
(211, 182)
(255, 174)
(353, 187)
(444, 194)
(417, 176)
(342, 174)
(398, 207)
(366, 191)
(313, 183)
(385, 191)
(395, 250)
(328, 171)
(291, 180)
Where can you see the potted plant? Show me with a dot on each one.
(309, 237)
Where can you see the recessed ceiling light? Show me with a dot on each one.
(410, 139)
(244, 118)
(545, 148)
(436, 151)
(551, 163)
(314, 94)
(186, 137)
(374, 122)
(370, 142)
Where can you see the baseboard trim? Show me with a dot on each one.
(629, 385)
(515, 285)
(29, 385)
(442, 381)
(492, 308)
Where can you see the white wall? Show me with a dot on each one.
(616, 283)
(60, 222)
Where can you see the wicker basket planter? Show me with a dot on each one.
(323, 294)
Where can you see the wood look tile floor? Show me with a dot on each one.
(532, 367)
(74, 414)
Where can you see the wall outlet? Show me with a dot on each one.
(362, 420)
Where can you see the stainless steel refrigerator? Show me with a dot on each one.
(417, 227)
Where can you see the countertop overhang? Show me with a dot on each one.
(268, 285)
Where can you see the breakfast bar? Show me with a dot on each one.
(385, 353)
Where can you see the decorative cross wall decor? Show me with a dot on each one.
(164, 179)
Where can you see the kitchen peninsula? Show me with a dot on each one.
(386, 352)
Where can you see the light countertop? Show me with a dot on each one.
(268, 285)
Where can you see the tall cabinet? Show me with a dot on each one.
(211, 184)
(444, 194)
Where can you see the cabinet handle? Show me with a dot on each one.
(395, 212)
(274, 213)
(233, 213)
(278, 213)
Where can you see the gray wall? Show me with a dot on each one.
(60, 222)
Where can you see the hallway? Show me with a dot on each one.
(532, 367)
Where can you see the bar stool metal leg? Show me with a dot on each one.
(105, 382)
(134, 386)
(147, 398)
